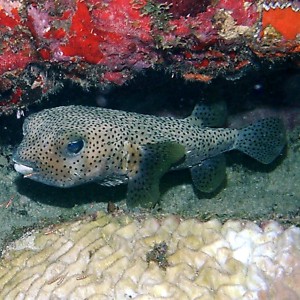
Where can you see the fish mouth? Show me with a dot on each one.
(31, 171)
(24, 170)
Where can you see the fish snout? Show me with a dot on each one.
(21, 166)
(22, 169)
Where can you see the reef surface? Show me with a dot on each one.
(141, 257)
(47, 44)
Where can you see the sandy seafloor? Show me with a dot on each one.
(252, 191)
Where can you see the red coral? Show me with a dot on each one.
(15, 98)
(285, 21)
(9, 21)
(84, 38)
(16, 48)
(115, 38)
(16, 60)
(116, 77)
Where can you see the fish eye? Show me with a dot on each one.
(75, 146)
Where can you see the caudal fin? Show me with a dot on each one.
(263, 140)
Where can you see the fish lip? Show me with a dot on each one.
(23, 169)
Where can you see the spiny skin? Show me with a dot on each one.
(115, 144)
(109, 136)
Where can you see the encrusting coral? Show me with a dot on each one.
(121, 257)
(98, 43)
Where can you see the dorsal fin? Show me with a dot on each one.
(209, 114)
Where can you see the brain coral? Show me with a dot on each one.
(121, 257)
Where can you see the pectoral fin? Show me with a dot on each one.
(154, 161)
(209, 175)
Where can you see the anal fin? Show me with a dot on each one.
(209, 175)
(154, 161)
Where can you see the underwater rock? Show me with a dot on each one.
(99, 43)
(132, 257)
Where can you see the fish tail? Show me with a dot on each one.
(263, 140)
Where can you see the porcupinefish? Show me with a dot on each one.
(71, 145)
